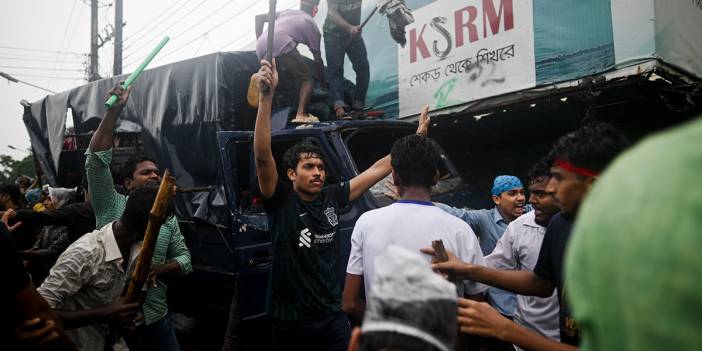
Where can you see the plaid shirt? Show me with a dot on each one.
(109, 205)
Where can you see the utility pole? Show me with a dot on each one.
(93, 73)
(117, 66)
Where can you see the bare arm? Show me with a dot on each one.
(102, 139)
(263, 154)
(382, 167)
(36, 312)
(520, 282)
(478, 318)
(260, 20)
(352, 303)
(117, 313)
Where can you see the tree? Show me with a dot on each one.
(10, 168)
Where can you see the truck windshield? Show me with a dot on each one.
(368, 145)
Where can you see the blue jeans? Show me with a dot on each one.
(336, 50)
(328, 333)
(157, 336)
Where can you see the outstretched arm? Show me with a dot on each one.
(478, 318)
(520, 282)
(381, 168)
(263, 154)
(102, 139)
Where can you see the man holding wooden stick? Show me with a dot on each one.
(304, 299)
(171, 257)
(85, 285)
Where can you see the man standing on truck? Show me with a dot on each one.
(293, 27)
(342, 36)
(171, 257)
(304, 299)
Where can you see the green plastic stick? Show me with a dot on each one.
(137, 72)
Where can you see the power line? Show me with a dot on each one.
(151, 21)
(208, 31)
(65, 33)
(46, 77)
(70, 41)
(39, 50)
(163, 31)
(248, 33)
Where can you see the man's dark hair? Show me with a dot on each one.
(13, 191)
(139, 203)
(378, 341)
(303, 149)
(129, 166)
(540, 171)
(308, 5)
(592, 147)
(415, 158)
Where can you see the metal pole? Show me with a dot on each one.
(93, 74)
(117, 66)
(15, 80)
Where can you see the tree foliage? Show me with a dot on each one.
(10, 168)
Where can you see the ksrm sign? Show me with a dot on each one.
(458, 51)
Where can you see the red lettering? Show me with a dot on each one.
(494, 17)
(460, 25)
(417, 43)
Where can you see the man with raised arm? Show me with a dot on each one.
(304, 299)
(171, 256)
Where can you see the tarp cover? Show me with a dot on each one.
(178, 109)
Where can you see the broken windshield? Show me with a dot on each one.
(368, 145)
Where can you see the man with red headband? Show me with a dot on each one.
(578, 158)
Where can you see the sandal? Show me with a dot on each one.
(306, 119)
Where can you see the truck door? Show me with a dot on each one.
(251, 237)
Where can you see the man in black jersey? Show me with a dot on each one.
(304, 300)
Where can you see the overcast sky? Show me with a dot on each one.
(53, 37)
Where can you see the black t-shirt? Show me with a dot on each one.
(14, 279)
(303, 280)
(349, 10)
(550, 267)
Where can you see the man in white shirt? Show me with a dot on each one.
(519, 248)
(413, 222)
(84, 285)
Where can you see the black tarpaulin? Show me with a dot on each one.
(178, 108)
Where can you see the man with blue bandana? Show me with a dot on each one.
(489, 224)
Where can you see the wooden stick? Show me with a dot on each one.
(157, 216)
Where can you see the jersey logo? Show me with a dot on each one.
(305, 238)
(331, 216)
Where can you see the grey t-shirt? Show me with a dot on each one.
(292, 27)
(349, 10)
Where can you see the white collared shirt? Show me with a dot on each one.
(518, 249)
(86, 276)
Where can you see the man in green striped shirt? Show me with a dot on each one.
(171, 256)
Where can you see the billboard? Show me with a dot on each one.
(459, 51)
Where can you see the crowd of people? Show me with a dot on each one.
(597, 252)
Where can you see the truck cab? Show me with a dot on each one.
(350, 148)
